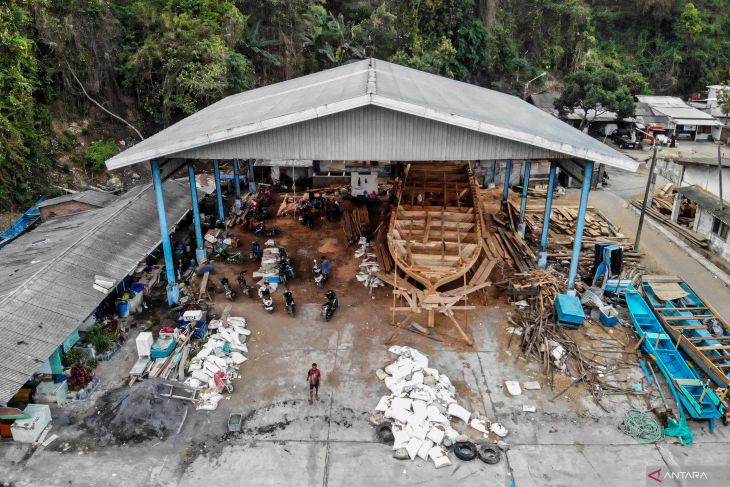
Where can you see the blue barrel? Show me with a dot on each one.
(123, 308)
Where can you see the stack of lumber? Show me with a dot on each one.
(355, 223)
(663, 199)
(516, 250)
(288, 206)
(380, 248)
(689, 235)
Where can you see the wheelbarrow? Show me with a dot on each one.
(235, 420)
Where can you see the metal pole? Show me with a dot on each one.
(173, 292)
(505, 191)
(542, 255)
(523, 203)
(219, 192)
(200, 249)
(646, 198)
(237, 182)
(578, 240)
(251, 180)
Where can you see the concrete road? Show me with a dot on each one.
(663, 254)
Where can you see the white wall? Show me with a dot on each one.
(707, 178)
(703, 225)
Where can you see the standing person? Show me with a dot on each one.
(313, 377)
(325, 266)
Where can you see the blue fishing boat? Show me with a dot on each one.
(696, 396)
(702, 334)
(25, 221)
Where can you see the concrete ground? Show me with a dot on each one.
(286, 441)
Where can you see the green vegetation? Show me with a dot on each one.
(156, 61)
(101, 340)
(97, 153)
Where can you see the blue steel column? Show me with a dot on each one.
(237, 182)
(505, 191)
(199, 248)
(173, 292)
(578, 241)
(217, 172)
(542, 255)
(523, 203)
(251, 180)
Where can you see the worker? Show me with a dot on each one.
(313, 377)
(325, 266)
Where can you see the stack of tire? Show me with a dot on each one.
(464, 449)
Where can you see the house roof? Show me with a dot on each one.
(47, 274)
(707, 201)
(677, 110)
(90, 197)
(367, 90)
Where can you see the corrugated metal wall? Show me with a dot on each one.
(370, 133)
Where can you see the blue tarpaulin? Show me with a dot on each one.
(21, 224)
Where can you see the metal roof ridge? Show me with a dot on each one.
(372, 83)
(7, 297)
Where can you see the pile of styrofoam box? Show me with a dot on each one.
(420, 407)
(212, 358)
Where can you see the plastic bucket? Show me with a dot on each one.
(137, 287)
(123, 308)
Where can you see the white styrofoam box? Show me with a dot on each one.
(193, 315)
(49, 392)
(28, 430)
(144, 344)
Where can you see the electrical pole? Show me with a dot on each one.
(719, 169)
(646, 198)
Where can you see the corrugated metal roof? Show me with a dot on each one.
(46, 275)
(478, 111)
(707, 201)
(677, 110)
(90, 197)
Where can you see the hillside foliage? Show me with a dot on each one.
(156, 61)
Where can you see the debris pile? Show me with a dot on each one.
(216, 364)
(368, 266)
(595, 363)
(419, 414)
(135, 414)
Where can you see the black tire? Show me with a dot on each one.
(465, 450)
(385, 433)
(489, 453)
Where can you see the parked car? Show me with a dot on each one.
(625, 139)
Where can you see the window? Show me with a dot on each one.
(720, 228)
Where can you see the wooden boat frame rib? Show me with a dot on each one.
(435, 246)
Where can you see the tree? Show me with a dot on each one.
(23, 121)
(599, 89)
(186, 58)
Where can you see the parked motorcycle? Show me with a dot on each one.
(319, 278)
(286, 265)
(255, 253)
(230, 293)
(291, 306)
(328, 309)
(266, 299)
(245, 288)
(260, 230)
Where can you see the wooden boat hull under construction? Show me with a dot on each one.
(684, 318)
(436, 238)
(436, 232)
